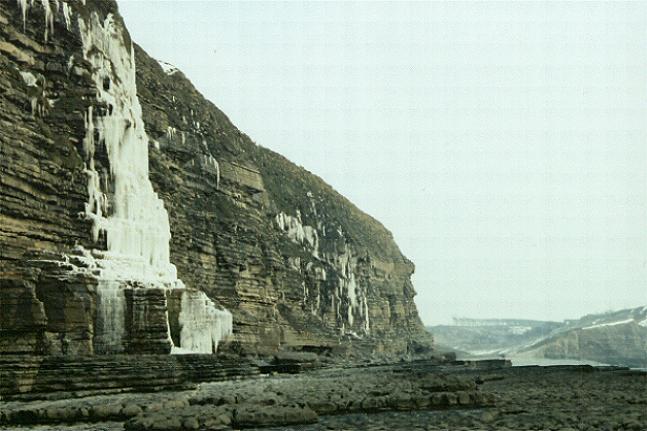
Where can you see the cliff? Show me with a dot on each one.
(134, 216)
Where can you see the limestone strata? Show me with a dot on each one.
(56, 377)
(298, 265)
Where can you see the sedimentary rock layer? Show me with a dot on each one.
(248, 403)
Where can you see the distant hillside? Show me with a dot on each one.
(487, 337)
(617, 337)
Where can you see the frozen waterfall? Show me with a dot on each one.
(202, 324)
(123, 207)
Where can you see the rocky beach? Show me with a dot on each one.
(420, 395)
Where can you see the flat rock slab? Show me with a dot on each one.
(527, 398)
(396, 397)
(263, 402)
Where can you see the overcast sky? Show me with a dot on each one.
(503, 144)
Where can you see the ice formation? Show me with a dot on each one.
(367, 323)
(109, 328)
(49, 19)
(202, 324)
(49, 14)
(212, 165)
(23, 8)
(138, 229)
(355, 296)
(298, 232)
(123, 207)
(348, 290)
(67, 16)
(350, 286)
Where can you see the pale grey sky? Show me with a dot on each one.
(503, 144)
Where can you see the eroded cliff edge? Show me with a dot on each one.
(298, 265)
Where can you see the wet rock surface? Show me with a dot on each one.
(401, 396)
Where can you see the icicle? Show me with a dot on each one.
(67, 16)
(213, 163)
(34, 106)
(352, 290)
(49, 19)
(217, 175)
(367, 326)
(23, 8)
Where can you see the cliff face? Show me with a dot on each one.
(96, 169)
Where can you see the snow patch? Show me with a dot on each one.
(168, 68)
(519, 330)
(39, 102)
(29, 79)
(621, 322)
